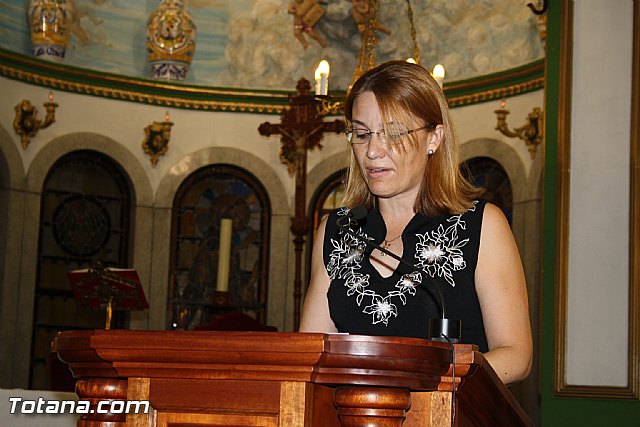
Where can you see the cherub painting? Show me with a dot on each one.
(360, 10)
(306, 14)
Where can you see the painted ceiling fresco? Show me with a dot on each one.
(251, 43)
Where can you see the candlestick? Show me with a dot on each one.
(224, 255)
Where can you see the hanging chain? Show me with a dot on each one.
(416, 49)
(369, 40)
(374, 5)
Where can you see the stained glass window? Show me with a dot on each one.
(204, 198)
(84, 217)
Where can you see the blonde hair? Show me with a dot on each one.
(406, 92)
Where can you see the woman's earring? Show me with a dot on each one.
(430, 152)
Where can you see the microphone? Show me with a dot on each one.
(441, 329)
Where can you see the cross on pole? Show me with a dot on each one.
(301, 129)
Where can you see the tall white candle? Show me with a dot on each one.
(321, 77)
(224, 255)
(438, 74)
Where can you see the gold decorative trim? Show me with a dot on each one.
(135, 96)
(561, 388)
(43, 73)
(634, 255)
(563, 167)
(496, 94)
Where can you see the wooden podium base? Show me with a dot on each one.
(369, 406)
(280, 379)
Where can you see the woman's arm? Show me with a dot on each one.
(502, 292)
(315, 312)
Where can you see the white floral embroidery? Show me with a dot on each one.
(439, 253)
(381, 309)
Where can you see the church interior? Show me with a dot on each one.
(191, 147)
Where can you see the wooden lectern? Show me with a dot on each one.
(199, 378)
(100, 287)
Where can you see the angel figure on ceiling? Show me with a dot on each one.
(360, 10)
(306, 14)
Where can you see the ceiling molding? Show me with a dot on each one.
(67, 78)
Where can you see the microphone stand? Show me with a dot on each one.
(441, 329)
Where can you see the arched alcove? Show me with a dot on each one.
(11, 220)
(85, 214)
(206, 197)
(489, 174)
(526, 226)
(141, 220)
(279, 295)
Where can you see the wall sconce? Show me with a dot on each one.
(530, 133)
(26, 123)
(156, 140)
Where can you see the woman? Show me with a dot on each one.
(404, 170)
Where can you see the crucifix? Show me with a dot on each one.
(301, 129)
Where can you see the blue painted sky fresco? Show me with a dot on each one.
(250, 43)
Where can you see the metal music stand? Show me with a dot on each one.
(100, 287)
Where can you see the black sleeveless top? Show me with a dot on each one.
(363, 302)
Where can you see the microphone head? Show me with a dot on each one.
(359, 212)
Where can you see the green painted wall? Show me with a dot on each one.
(563, 411)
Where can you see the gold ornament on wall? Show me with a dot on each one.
(156, 139)
(530, 132)
(26, 123)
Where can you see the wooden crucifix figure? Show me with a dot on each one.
(301, 129)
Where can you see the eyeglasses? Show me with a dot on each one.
(393, 132)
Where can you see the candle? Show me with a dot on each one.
(224, 255)
(322, 78)
(438, 74)
(50, 96)
(167, 117)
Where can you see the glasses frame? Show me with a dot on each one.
(348, 132)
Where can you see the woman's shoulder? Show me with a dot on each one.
(329, 221)
(335, 214)
(469, 219)
(493, 215)
(344, 211)
(475, 208)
